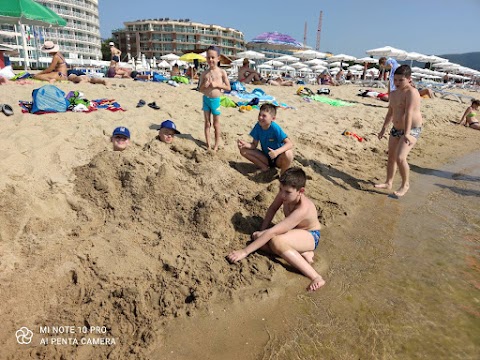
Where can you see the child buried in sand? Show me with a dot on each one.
(167, 131)
(276, 146)
(120, 138)
(295, 237)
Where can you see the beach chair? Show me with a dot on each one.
(447, 95)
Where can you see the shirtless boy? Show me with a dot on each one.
(295, 237)
(212, 82)
(404, 113)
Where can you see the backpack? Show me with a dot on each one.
(49, 98)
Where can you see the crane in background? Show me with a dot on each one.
(319, 30)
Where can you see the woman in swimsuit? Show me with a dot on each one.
(469, 117)
(58, 67)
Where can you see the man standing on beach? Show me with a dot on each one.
(404, 113)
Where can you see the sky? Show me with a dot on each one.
(431, 27)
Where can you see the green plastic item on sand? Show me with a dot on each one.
(333, 102)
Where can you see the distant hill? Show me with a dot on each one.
(471, 60)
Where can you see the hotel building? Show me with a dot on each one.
(157, 37)
(80, 38)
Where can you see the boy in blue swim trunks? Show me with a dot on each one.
(276, 146)
(295, 237)
(212, 82)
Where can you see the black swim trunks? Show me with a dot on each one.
(415, 132)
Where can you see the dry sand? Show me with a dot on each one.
(133, 240)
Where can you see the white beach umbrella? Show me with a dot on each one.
(336, 64)
(341, 57)
(367, 60)
(287, 68)
(250, 54)
(298, 65)
(438, 59)
(310, 54)
(179, 63)
(318, 67)
(265, 66)
(314, 62)
(383, 51)
(410, 56)
(441, 65)
(275, 63)
(287, 58)
(164, 65)
(240, 61)
(305, 69)
(426, 59)
(355, 67)
(169, 57)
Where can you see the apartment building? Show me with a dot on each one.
(157, 37)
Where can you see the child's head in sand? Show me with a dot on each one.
(167, 131)
(120, 138)
(267, 114)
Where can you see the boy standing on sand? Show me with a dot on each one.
(295, 237)
(404, 112)
(212, 82)
(276, 146)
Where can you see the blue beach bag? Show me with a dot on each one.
(49, 98)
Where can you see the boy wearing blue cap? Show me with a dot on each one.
(120, 138)
(276, 146)
(167, 131)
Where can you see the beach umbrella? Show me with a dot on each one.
(265, 66)
(287, 58)
(298, 65)
(169, 57)
(367, 60)
(240, 61)
(383, 51)
(355, 67)
(310, 54)
(275, 63)
(164, 65)
(341, 58)
(287, 68)
(318, 67)
(305, 69)
(250, 54)
(28, 12)
(190, 57)
(179, 63)
(277, 40)
(314, 62)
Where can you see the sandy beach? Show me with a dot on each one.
(135, 241)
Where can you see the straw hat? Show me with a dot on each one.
(49, 47)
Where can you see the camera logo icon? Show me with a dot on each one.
(24, 335)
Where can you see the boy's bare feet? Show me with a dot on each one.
(308, 255)
(383, 186)
(316, 284)
(402, 191)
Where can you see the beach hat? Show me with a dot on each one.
(111, 43)
(169, 124)
(122, 131)
(49, 47)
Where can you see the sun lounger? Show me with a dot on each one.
(452, 96)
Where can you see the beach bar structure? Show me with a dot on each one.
(79, 40)
(162, 36)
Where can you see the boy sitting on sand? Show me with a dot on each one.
(276, 146)
(295, 237)
(120, 138)
(167, 131)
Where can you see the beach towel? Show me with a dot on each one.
(333, 102)
(237, 86)
(181, 79)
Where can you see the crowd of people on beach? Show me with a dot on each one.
(298, 234)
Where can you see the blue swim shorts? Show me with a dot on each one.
(211, 104)
(316, 236)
